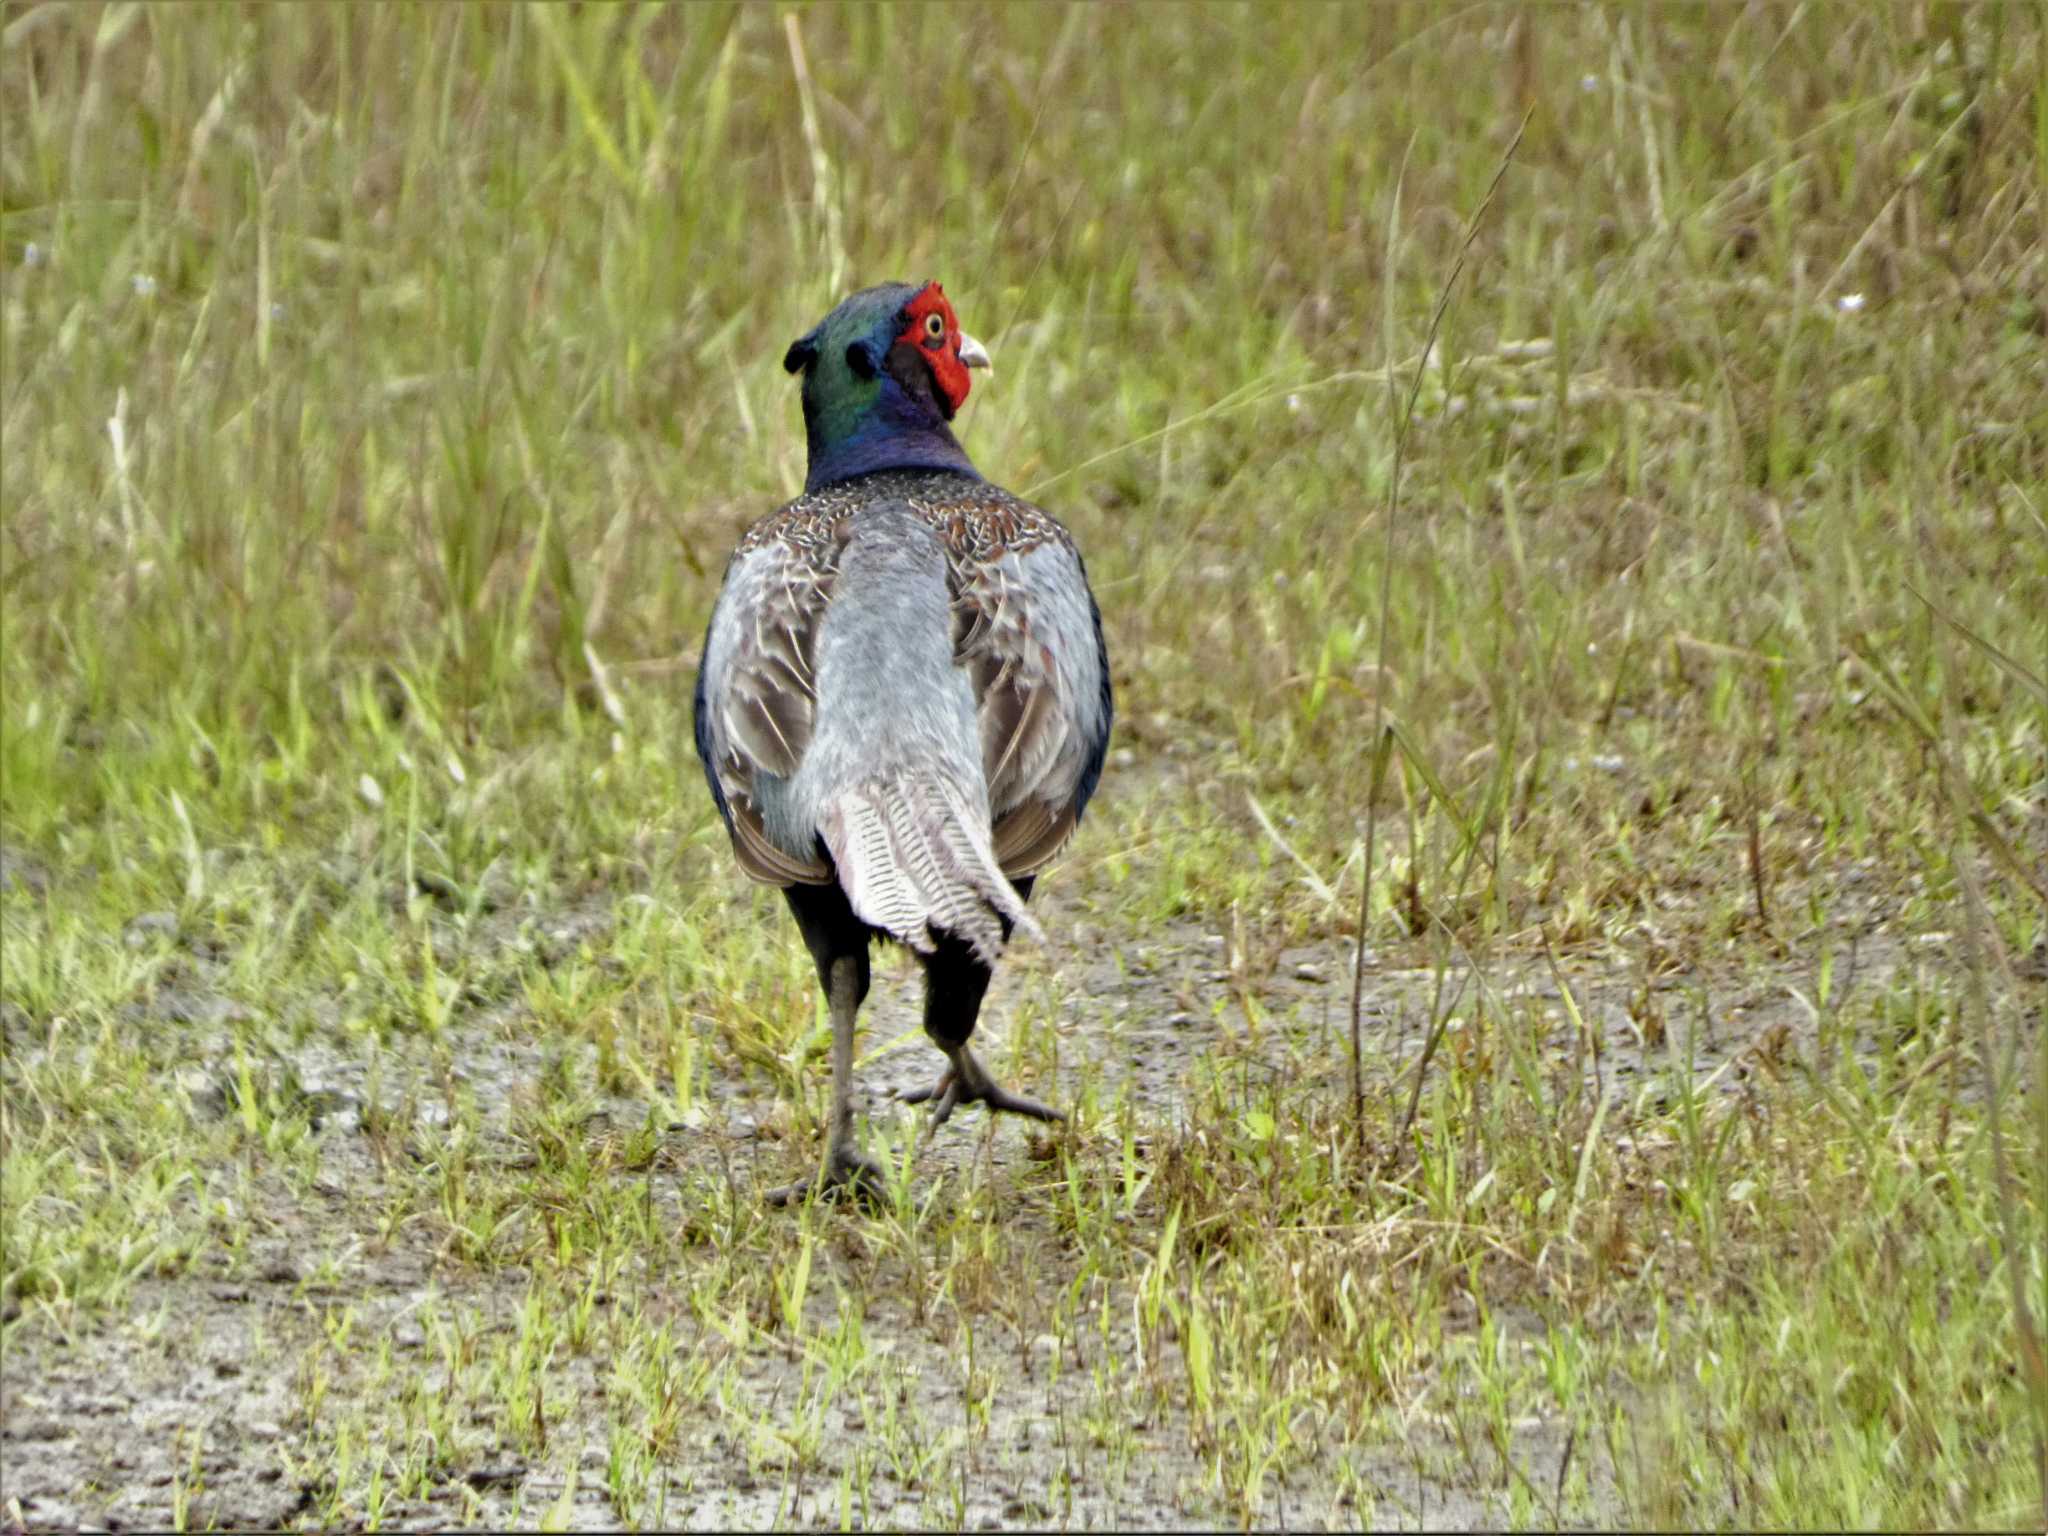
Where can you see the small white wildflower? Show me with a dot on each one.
(1589, 83)
(144, 285)
(1294, 404)
(373, 795)
(1849, 303)
(32, 255)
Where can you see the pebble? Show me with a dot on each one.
(149, 925)
(279, 1271)
(208, 1097)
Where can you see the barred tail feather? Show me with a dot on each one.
(915, 859)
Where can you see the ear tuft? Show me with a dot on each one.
(801, 354)
(860, 358)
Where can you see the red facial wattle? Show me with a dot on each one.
(938, 342)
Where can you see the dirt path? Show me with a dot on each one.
(192, 1399)
(200, 1396)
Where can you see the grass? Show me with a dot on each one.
(388, 1033)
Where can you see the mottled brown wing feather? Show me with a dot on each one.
(761, 859)
(766, 694)
(1027, 839)
(771, 694)
(1025, 726)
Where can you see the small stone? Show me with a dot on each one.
(17, 873)
(146, 926)
(180, 1006)
(204, 1092)
(1180, 1020)
(279, 1271)
(334, 1106)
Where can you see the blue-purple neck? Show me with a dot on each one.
(892, 431)
(869, 453)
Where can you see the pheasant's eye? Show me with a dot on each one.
(935, 326)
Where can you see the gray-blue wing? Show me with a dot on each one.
(757, 694)
(1027, 629)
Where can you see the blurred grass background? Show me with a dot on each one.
(384, 386)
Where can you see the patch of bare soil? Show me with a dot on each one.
(193, 1390)
(103, 1424)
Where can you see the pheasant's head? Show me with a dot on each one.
(883, 374)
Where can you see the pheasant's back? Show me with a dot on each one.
(889, 695)
(977, 523)
(907, 626)
(892, 782)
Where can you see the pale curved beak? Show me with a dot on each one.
(974, 355)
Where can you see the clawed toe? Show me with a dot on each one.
(944, 1097)
(847, 1173)
(1016, 1104)
(938, 1090)
(965, 1083)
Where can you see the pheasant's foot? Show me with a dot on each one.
(848, 1172)
(966, 1082)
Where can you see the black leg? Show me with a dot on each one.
(838, 942)
(954, 985)
(830, 930)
